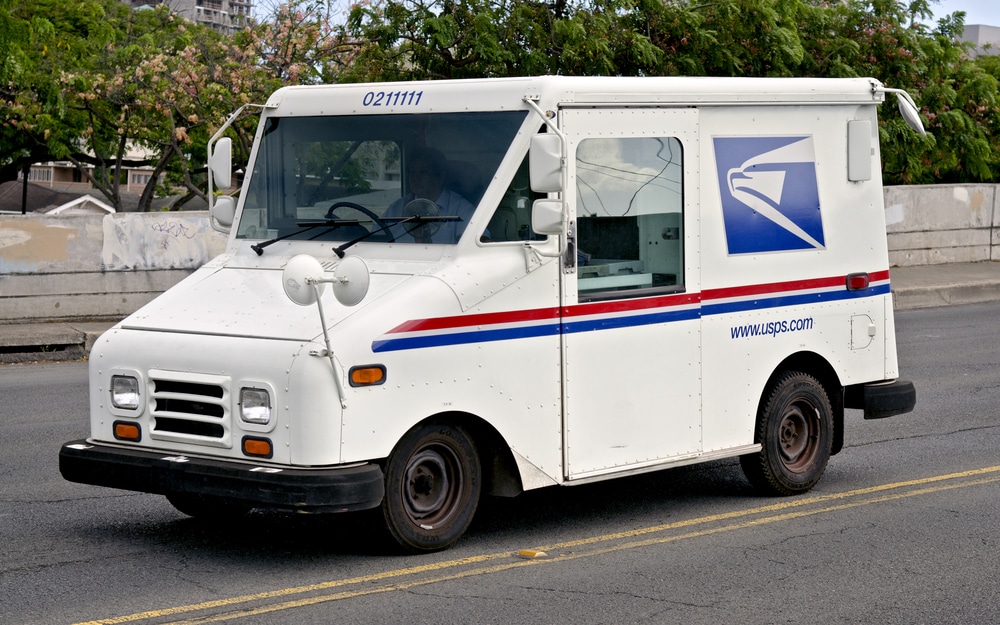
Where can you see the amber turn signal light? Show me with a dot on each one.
(259, 447)
(367, 375)
(127, 431)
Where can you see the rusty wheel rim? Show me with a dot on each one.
(433, 485)
(798, 436)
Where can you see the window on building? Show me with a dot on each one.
(40, 175)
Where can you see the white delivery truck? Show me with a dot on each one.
(434, 291)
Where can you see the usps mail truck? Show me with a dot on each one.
(435, 291)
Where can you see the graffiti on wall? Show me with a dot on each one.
(144, 241)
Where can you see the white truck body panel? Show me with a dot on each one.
(713, 226)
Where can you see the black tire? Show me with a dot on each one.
(206, 507)
(795, 430)
(432, 486)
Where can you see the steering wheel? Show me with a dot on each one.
(386, 234)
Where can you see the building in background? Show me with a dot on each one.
(225, 16)
(63, 176)
(986, 39)
(59, 184)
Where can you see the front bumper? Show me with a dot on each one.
(884, 399)
(339, 489)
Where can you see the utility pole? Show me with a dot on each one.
(24, 188)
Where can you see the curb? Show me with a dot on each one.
(35, 342)
(931, 296)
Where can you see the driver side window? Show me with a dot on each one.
(512, 219)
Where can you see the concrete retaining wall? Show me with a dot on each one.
(935, 224)
(105, 267)
(97, 266)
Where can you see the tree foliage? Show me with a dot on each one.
(109, 81)
(89, 80)
(884, 39)
(41, 40)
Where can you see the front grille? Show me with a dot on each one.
(194, 428)
(190, 407)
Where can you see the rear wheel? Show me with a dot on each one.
(795, 430)
(432, 486)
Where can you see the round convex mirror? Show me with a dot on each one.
(293, 279)
(351, 280)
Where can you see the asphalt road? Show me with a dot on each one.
(902, 529)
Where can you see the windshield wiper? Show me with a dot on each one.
(306, 226)
(390, 222)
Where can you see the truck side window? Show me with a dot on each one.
(629, 212)
(512, 219)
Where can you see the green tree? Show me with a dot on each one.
(884, 39)
(110, 81)
(124, 106)
(887, 40)
(403, 40)
(299, 44)
(87, 80)
(43, 39)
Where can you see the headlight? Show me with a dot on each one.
(124, 392)
(255, 406)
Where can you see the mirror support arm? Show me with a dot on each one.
(548, 120)
(218, 134)
(313, 282)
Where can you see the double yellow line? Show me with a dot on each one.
(277, 600)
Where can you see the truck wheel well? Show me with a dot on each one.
(501, 477)
(818, 367)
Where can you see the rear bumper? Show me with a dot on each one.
(882, 399)
(340, 489)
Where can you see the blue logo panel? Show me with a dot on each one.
(770, 198)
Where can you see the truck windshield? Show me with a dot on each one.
(368, 173)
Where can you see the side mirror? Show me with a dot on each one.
(224, 210)
(221, 162)
(547, 216)
(909, 112)
(545, 163)
(907, 108)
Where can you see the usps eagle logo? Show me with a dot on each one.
(770, 199)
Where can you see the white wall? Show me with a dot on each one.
(94, 266)
(81, 267)
(934, 224)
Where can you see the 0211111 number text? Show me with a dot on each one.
(392, 98)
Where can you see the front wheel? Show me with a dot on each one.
(432, 486)
(795, 430)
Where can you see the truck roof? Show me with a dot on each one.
(492, 94)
